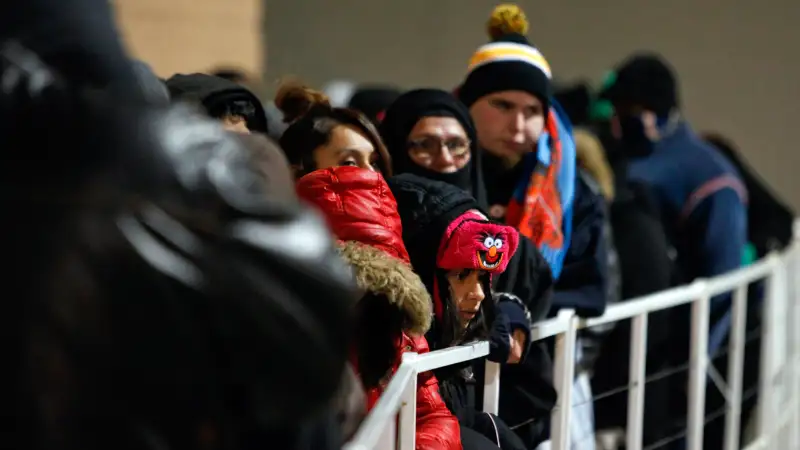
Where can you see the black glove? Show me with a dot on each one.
(500, 339)
(510, 315)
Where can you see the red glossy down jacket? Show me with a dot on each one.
(362, 213)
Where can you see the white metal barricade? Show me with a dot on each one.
(391, 424)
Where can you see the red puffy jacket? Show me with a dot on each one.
(362, 212)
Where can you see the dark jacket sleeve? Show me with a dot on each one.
(582, 284)
(770, 219)
(719, 226)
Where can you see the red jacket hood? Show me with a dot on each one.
(358, 206)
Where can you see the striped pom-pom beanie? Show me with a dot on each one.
(509, 62)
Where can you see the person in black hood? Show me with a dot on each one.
(233, 104)
(432, 213)
(428, 132)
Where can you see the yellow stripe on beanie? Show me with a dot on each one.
(503, 51)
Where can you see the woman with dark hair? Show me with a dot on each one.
(320, 136)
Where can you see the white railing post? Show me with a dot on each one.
(782, 338)
(698, 372)
(491, 388)
(637, 381)
(793, 255)
(793, 297)
(407, 422)
(766, 410)
(564, 376)
(736, 348)
(388, 439)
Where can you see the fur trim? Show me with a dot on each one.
(380, 273)
(592, 157)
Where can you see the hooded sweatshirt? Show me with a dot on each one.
(210, 92)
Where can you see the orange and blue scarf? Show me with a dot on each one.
(541, 207)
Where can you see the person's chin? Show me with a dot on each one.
(506, 149)
(500, 150)
(447, 170)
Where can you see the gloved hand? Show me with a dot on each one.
(509, 339)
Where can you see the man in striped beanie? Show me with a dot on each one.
(530, 174)
(508, 91)
(508, 77)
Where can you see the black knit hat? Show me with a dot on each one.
(647, 80)
(509, 62)
(372, 101)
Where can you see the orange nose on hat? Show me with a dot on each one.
(493, 252)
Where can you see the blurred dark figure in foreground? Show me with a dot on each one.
(169, 292)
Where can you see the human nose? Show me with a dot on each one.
(367, 165)
(476, 294)
(445, 157)
(518, 128)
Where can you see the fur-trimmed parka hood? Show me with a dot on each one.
(389, 277)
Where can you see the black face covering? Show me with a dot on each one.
(403, 115)
(634, 142)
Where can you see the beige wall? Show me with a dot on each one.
(193, 35)
(737, 59)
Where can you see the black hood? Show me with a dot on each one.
(210, 91)
(426, 208)
(403, 115)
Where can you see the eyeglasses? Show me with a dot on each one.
(427, 148)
